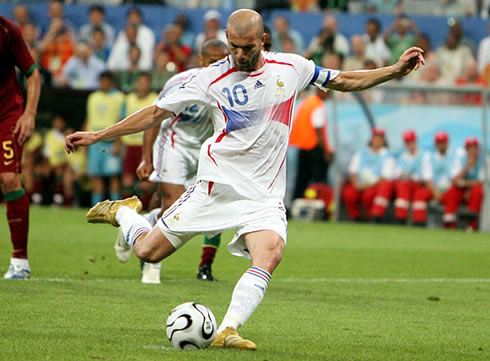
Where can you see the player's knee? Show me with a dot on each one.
(10, 182)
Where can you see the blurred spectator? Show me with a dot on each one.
(96, 15)
(436, 177)
(309, 135)
(127, 78)
(133, 143)
(484, 52)
(268, 38)
(21, 16)
(387, 7)
(99, 49)
(54, 152)
(470, 76)
(370, 179)
(375, 45)
(357, 60)
(328, 40)
(408, 167)
(429, 75)
(452, 57)
(288, 45)
(170, 43)
(164, 69)
(423, 42)
(483, 7)
(57, 20)
(456, 28)
(187, 37)
(82, 70)
(404, 38)
(467, 176)
(56, 48)
(457, 7)
(135, 33)
(31, 35)
(212, 29)
(283, 31)
(104, 108)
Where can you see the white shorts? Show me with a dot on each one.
(173, 163)
(212, 208)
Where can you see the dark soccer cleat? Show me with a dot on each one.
(205, 273)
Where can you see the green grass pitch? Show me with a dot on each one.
(342, 292)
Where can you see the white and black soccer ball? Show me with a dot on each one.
(191, 326)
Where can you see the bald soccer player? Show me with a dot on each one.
(241, 176)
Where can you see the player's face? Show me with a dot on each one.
(441, 147)
(212, 55)
(377, 142)
(245, 50)
(411, 146)
(472, 151)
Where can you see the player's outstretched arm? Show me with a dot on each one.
(358, 80)
(136, 122)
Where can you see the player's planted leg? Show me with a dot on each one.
(266, 248)
(210, 247)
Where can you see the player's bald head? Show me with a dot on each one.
(244, 22)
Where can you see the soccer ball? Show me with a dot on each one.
(191, 326)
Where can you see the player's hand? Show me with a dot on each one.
(25, 126)
(144, 170)
(79, 138)
(411, 59)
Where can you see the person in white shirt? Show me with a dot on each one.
(82, 70)
(241, 176)
(96, 15)
(212, 29)
(376, 47)
(484, 53)
(144, 39)
(371, 173)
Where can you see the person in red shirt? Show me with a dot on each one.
(16, 125)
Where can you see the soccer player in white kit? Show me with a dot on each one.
(241, 175)
(170, 158)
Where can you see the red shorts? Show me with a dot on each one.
(132, 159)
(10, 149)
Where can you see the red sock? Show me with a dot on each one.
(207, 256)
(18, 219)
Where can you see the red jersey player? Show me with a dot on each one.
(16, 125)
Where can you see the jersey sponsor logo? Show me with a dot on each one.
(259, 84)
(8, 162)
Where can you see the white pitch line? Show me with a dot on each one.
(291, 280)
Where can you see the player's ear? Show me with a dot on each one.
(262, 40)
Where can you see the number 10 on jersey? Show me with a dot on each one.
(237, 95)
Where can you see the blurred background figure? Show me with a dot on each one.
(134, 33)
(104, 108)
(309, 135)
(164, 69)
(82, 70)
(282, 32)
(171, 44)
(54, 151)
(357, 60)
(328, 40)
(400, 35)
(376, 47)
(371, 173)
(467, 183)
(96, 18)
(436, 177)
(212, 29)
(408, 170)
(98, 45)
(127, 78)
(21, 16)
(452, 58)
(141, 97)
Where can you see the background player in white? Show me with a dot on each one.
(241, 175)
(170, 158)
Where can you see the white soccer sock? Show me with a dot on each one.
(152, 216)
(132, 224)
(247, 295)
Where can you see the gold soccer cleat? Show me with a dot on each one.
(105, 212)
(229, 338)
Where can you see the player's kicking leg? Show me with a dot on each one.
(18, 220)
(265, 248)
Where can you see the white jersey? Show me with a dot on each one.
(251, 113)
(192, 126)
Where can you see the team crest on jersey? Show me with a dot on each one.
(280, 90)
